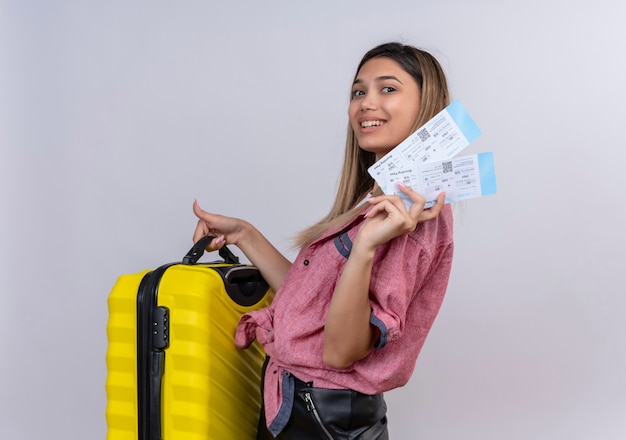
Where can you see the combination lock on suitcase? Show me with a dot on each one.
(174, 372)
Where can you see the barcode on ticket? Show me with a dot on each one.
(423, 134)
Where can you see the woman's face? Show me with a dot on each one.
(384, 105)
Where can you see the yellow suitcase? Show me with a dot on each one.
(173, 370)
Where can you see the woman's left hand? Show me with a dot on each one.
(390, 218)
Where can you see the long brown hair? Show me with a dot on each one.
(355, 182)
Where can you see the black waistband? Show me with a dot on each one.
(300, 384)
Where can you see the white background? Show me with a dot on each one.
(115, 115)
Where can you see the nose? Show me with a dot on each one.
(369, 102)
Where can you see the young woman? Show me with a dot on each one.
(351, 313)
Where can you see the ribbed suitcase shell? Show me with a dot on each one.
(210, 389)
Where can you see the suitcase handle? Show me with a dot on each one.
(197, 251)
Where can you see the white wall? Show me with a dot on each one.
(115, 115)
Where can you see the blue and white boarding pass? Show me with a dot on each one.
(465, 177)
(442, 137)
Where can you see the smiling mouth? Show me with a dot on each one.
(367, 124)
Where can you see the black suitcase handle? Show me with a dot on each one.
(198, 248)
(244, 284)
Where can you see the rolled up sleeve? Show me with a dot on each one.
(399, 271)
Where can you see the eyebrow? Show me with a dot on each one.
(380, 78)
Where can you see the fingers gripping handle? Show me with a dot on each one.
(197, 251)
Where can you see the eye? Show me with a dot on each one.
(357, 93)
(388, 89)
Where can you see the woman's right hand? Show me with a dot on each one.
(229, 230)
(226, 230)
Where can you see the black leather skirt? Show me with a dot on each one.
(327, 414)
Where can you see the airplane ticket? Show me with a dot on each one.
(461, 178)
(442, 137)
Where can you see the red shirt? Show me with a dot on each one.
(409, 278)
